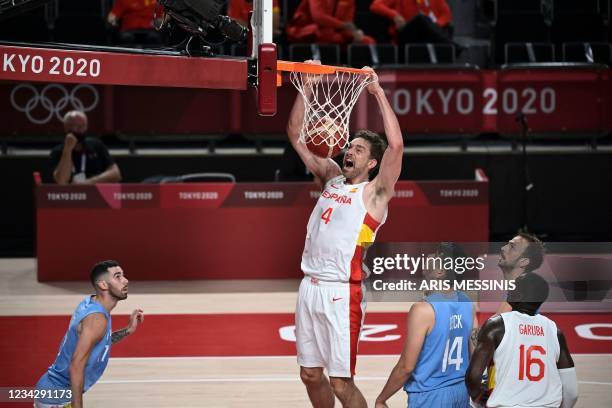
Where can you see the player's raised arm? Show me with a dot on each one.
(483, 352)
(420, 319)
(567, 372)
(92, 331)
(391, 163)
(324, 169)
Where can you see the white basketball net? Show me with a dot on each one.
(328, 102)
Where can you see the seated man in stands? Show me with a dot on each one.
(416, 21)
(134, 18)
(239, 11)
(326, 21)
(81, 160)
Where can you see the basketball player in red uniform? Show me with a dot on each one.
(331, 305)
(534, 367)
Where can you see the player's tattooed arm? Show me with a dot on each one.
(474, 337)
(475, 331)
(136, 318)
(120, 335)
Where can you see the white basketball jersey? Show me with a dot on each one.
(526, 373)
(338, 233)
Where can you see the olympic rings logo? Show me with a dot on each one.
(52, 108)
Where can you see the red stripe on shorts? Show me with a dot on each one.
(356, 296)
(355, 319)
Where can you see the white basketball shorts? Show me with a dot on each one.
(328, 321)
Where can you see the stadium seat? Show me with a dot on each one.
(360, 55)
(84, 7)
(80, 29)
(598, 53)
(578, 28)
(300, 52)
(529, 52)
(518, 27)
(517, 6)
(576, 6)
(387, 54)
(327, 53)
(476, 54)
(429, 54)
(31, 26)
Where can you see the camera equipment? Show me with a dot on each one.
(203, 19)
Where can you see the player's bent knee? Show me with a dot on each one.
(311, 375)
(340, 384)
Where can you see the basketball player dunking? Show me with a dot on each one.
(534, 367)
(331, 306)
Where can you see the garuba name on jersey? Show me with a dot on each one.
(338, 233)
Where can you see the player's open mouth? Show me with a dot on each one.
(348, 163)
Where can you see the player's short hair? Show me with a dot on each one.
(453, 251)
(534, 251)
(378, 145)
(531, 290)
(100, 269)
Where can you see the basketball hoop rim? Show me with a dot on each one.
(290, 66)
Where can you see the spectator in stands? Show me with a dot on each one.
(416, 21)
(81, 160)
(326, 21)
(239, 10)
(135, 20)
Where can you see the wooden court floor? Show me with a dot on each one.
(230, 381)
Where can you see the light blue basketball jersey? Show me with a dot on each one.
(57, 376)
(444, 357)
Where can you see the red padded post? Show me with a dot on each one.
(266, 80)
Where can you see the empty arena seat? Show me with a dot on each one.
(327, 53)
(429, 54)
(360, 55)
(78, 29)
(529, 52)
(87, 7)
(578, 28)
(301, 52)
(31, 26)
(517, 6)
(476, 54)
(576, 6)
(387, 54)
(597, 53)
(518, 27)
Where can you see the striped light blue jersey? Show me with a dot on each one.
(444, 357)
(57, 376)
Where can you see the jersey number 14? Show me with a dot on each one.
(455, 350)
